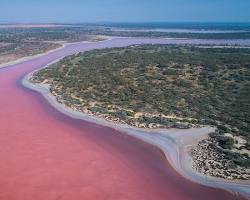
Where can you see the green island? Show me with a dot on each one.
(165, 86)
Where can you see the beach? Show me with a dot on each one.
(72, 155)
(174, 143)
(30, 57)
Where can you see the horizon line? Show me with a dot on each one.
(121, 22)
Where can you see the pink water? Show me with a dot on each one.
(47, 155)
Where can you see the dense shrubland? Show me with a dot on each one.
(172, 86)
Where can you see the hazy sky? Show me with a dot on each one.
(123, 10)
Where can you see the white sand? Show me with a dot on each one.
(175, 143)
(20, 60)
(64, 44)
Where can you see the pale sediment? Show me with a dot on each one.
(26, 58)
(63, 45)
(175, 143)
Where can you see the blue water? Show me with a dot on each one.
(184, 25)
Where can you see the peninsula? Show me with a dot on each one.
(162, 86)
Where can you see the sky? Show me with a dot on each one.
(79, 11)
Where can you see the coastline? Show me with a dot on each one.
(197, 42)
(26, 58)
(64, 44)
(174, 143)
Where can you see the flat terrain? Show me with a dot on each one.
(179, 30)
(22, 40)
(13, 51)
(18, 41)
(47, 155)
(164, 86)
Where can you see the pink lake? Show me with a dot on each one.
(47, 155)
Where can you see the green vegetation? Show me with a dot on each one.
(16, 43)
(159, 86)
(64, 33)
(13, 51)
(226, 142)
(156, 34)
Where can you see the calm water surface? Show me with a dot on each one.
(47, 155)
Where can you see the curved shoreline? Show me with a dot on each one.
(235, 43)
(27, 58)
(174, 143)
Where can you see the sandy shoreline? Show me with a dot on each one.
(64, 44)
(175, 143)
(107, 38)
(20, 60)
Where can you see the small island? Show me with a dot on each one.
(164, 86)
